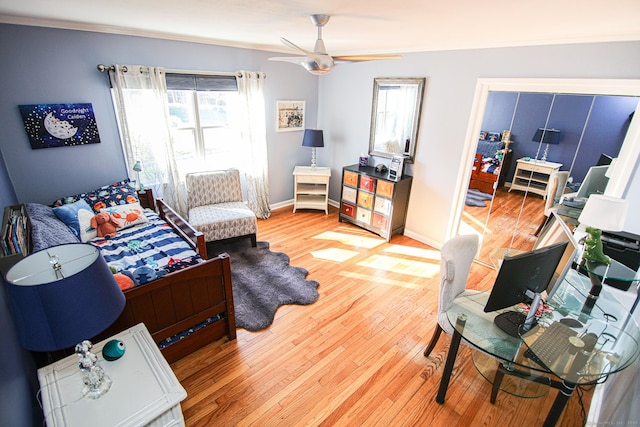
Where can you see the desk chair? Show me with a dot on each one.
(555, 189)
(456, 257)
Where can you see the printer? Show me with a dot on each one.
(623, 247)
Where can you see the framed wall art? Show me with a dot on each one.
(290, 116)
(59, 125)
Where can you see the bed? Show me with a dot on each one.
(488, 167)
(186, 303)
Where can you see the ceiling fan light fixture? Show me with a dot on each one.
(319, 61)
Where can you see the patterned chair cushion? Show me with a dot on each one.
(210, 188)
(223, 220)
(216, 207)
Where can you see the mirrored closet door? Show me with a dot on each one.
(556, 142)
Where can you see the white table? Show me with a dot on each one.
(533, 175)
(311, 188)
(145, 391)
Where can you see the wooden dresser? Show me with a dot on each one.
(373, 201)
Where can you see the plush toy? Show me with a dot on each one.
(144, 274)
(106, 224)
(125, 282)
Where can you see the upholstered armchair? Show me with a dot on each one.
(215, 206)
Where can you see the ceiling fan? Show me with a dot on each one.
(319, 61)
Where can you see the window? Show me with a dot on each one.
(204, 115)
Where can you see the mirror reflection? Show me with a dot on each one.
(395, 116)
(557, 153)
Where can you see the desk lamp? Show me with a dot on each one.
(137, 167)
(61, 296)
(600, 213)
(546, 136)
(313, 138)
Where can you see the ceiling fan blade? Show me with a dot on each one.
(294, 46)
(314, 64)
(294, 59)
(359, 58)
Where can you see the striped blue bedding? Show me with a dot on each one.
(147, 251)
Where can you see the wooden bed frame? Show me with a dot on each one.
(182, 299)
(484, 181)
(171, 304)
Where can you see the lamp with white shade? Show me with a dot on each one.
(601, 212)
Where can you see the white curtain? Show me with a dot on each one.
(254, 135)
(140, 100)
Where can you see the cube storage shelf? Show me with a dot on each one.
(372, 201)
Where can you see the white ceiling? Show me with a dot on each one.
(355, 27)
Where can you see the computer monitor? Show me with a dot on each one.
(604, 160)
(555, 230)
(522, 278)
(594, 182)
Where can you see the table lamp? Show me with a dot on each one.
(600, 213)
(137, 167)
(313, 138)
(546, 136)
(61, 296)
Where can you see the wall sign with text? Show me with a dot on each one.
(59, 125)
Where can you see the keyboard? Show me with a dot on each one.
(550, 344)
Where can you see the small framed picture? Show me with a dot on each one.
(483, 135)
(290, 116)
(493, 136)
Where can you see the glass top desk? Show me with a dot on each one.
(616, 347)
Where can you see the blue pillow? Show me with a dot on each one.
(77, 216)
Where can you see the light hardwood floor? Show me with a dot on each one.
(506, 228)
(355, 356)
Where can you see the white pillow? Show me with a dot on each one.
(127, 215)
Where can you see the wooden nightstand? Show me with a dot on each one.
(146, 199)
(533, 175)
(145, 391)
(311, 188)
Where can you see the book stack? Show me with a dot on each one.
(14, 239)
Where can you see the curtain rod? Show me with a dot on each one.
(102, 68)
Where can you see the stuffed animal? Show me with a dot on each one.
(106, 224)
(124, 281)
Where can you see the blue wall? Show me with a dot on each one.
(604, 125)
(42, 65)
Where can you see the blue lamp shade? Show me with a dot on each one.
(312, 138)
(62, 295)
(551, 136)
(137, 166)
